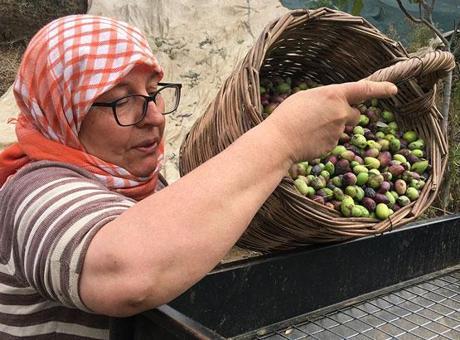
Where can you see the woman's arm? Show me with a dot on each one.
(167, 242)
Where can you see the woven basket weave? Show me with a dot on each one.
(327, 47)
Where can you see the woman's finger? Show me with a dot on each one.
(358, 92)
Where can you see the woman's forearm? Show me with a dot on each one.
(165, 243)
(171, 239)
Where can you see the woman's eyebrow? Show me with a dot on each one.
(120, 85)
(124, 84)
(154, 77)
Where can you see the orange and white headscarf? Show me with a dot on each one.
(67, 65)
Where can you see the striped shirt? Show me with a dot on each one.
(49, 213)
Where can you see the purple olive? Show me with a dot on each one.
(349, 129)
(342, 166)
(359, 160)
(349, 178)
(404, 143)
(323, 193)
(316, 170)
(372, 127)
(412, 158)
(373, 116)
(355, 149)
(332, 159)
(369, 135)
(385, 158)
(400, 186)
(330, 185)
(384, 187)
(396, 170)
(264, 100)
(368, 203)
(404, 152)
(369, 192)
(381, 198)
(372, 152)
(344, 138)
(277, 99)
(318, 199)
(336, 204)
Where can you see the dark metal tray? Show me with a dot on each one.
(244, 298)
(426, 309)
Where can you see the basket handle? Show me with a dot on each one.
(425, 71)
(432, 66)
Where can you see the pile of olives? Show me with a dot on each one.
(375, 170)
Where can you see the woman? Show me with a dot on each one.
(83, 235)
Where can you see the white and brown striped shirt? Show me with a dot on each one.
(49, 213)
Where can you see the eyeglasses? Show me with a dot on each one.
(131, 110)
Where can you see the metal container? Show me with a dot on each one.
(246, 299)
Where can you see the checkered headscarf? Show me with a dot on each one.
(67, 65)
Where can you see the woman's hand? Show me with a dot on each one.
(309, 123)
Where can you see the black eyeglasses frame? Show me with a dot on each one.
(148, 99)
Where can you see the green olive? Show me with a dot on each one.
(382, 211)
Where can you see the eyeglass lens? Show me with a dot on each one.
(131, 109)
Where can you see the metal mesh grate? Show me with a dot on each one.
(428, 310)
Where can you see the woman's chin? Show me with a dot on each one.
(143, 170)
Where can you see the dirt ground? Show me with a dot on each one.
(19, 21)
(10, 57)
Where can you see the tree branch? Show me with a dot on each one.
(422, 18)
(406, 13)
(453, 38)
(427, 10)
(437, 32)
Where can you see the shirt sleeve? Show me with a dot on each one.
(57, 212)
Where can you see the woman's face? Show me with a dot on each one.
(134, 148)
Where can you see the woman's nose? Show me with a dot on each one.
(153, 114)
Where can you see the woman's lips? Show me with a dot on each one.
(147, 148)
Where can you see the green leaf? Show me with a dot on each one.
(357, 7)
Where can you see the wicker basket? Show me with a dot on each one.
(327, 47)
